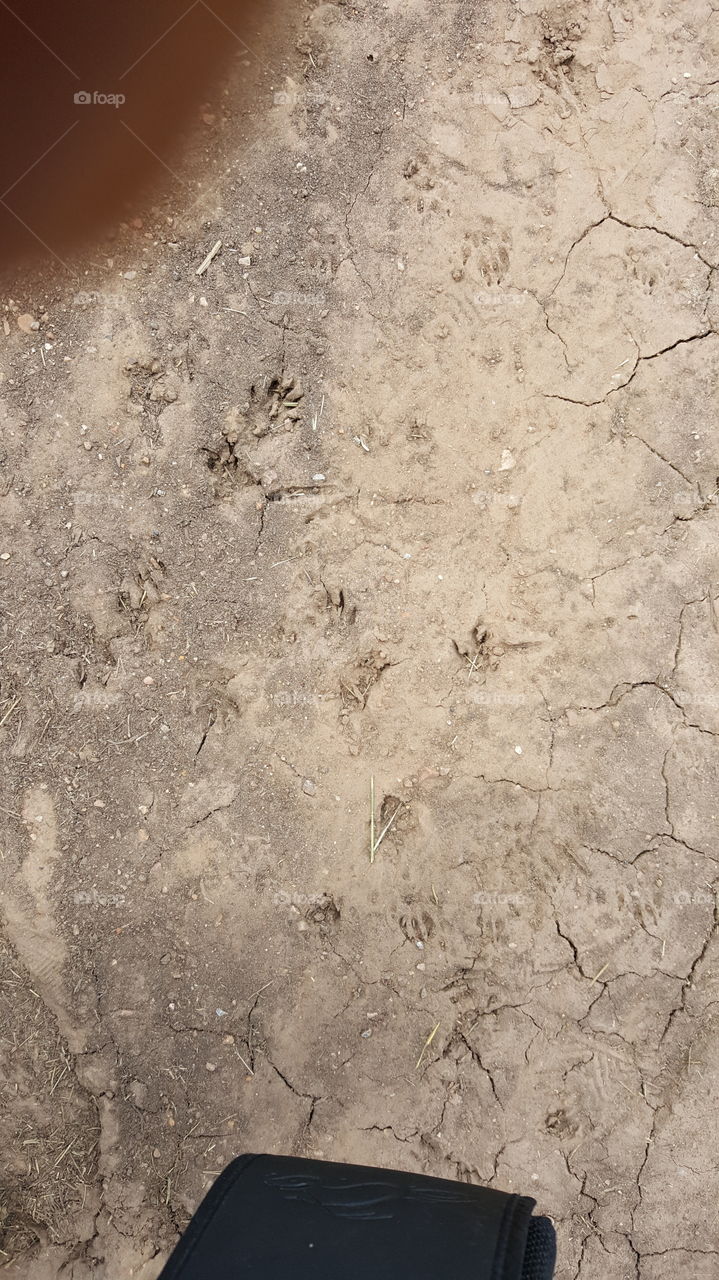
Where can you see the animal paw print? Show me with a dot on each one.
(418, 927)
(149, 392)
(324, 911)
(494, 263)
(488, 250)
(227, 463)
(331, 604)
(360, 676)
(562, 1122)
(141, 591)
(646, 274)
(417, 171)
(279, 402)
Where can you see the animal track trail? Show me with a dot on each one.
(25, 904)
(150, 392)
(481, 288)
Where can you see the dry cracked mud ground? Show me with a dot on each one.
(425, 492)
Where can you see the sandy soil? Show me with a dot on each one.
(424, 493)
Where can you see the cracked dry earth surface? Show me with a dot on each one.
(426, 492)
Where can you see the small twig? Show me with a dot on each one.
(259, 993)
(386, 828)
(212, 254)
(426, 1045)
(9, 713)
(317, 417)
(371, 819)
(59, 1078)
(42, 734)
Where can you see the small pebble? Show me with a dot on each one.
(309, 787)
(210, 1066)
